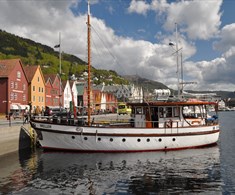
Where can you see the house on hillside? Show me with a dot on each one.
(53, 90)
(13, 85)
(36, 87)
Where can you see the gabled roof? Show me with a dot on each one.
(63, 83)
(30, 72)
(71, 83)
(52, 78)
(7, 66)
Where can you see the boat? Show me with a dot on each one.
(154, 125)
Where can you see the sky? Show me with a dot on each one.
(132, 37)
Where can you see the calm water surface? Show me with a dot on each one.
(197, 171)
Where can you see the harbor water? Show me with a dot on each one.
(208, 170)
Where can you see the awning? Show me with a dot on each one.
(22, 107)
(14, 107)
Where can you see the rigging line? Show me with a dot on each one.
(96, 48)
(115, 59)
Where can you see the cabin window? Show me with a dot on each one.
(161, 111)
(176, 111)
(169, 112)
(139, 110)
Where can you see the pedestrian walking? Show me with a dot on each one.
(26, 116)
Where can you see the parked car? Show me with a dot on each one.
(51, 111)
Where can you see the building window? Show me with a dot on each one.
(24, 87)
(39, 89)
(12, 96)
(15, 96)
(33, 88)
(16, 85)
(42, 99)
(33, 98)
(38, 79)
(24, 97)
(12, 84)
(42, 89)
(18, 74)
(39, 99)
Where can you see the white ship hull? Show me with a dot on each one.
(107, 139)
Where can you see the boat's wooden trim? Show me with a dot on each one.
(129, 134)
(175, 103)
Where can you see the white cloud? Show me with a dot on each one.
(199, 20)
(227, 38)
(42, 21)
(140, 7)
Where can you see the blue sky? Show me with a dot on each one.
(136, 34)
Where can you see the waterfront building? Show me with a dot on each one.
(53, 90)
(36, 87)
(14, 86)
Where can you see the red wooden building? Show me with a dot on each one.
(53, 90)
(13, 85)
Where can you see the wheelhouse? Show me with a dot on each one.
(171, 114)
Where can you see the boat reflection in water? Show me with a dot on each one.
(187, 171)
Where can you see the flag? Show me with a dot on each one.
(57, 46)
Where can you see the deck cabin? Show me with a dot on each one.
(171, 114)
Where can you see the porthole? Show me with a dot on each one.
(173, 139)
(148, 140)
(123, 139)
(99, 139)
(159, 139)
(138, 140)
(85, 138)
(73, 137)
(111, 139)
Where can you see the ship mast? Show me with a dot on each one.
(89, 66)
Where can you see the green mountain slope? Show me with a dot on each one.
(33, 53)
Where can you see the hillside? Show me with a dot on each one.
(146, 84)
(33, 53)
